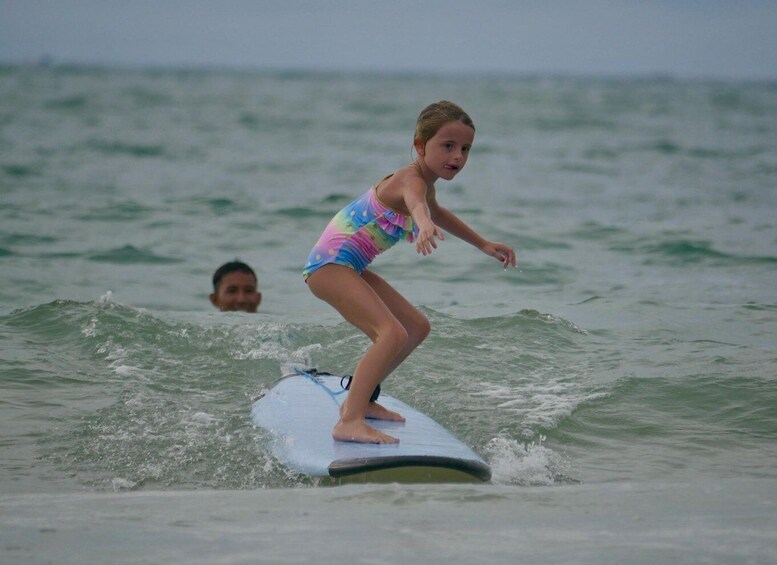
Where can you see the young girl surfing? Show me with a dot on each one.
(401, 206)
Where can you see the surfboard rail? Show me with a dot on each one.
(429, 465)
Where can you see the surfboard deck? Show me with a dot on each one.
(301, 409)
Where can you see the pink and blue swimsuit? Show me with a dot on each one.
(358, 233)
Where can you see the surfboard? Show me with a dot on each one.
(301, 409)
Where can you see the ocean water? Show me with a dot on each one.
(620, 382)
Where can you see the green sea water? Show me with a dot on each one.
(620, 382)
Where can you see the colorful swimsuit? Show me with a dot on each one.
(358, 233)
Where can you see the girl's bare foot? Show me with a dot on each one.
(359, 432)
(377, 412)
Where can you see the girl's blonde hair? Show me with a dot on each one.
(436, 115)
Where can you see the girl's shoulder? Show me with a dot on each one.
(404, 178)
(391, 190)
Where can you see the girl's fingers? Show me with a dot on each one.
(425, 245)
(506, 256)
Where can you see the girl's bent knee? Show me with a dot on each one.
(423, 329)
(396, 334)
(419, 330)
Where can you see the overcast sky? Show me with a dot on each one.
(692, 38)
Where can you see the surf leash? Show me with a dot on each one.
(312, 374)
(347, 386)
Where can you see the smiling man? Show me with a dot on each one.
(235, 288)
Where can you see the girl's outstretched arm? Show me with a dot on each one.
(451, 223)
(415, 200)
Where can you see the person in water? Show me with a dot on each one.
(401, 206)
(235, 288)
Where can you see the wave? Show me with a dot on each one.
(665, 426)
(718, 405)
(21, 170)
(139, 150)
(152, 401)
(130, 254)
(683, 251)
(126, 211)
(132, 399)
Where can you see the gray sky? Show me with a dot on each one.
(692, 38)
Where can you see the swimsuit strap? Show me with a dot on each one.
(380, 201)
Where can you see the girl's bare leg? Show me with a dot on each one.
(416, 325)
(361, 305)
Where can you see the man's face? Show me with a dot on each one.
(237, 293)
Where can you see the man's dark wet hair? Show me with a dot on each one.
(231, 267)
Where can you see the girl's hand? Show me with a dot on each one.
(500, 251)
(425, 243)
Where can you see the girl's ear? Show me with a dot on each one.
(419, 146)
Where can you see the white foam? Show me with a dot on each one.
(119, 484)
(106, 298)
(203, 418)
(524, 464)
(540, 399)
(90, 330)
(123, 370)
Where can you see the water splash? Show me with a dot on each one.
(525, 464)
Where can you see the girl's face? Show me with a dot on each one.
(446, 153)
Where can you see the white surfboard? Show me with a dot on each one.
(301, 409)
